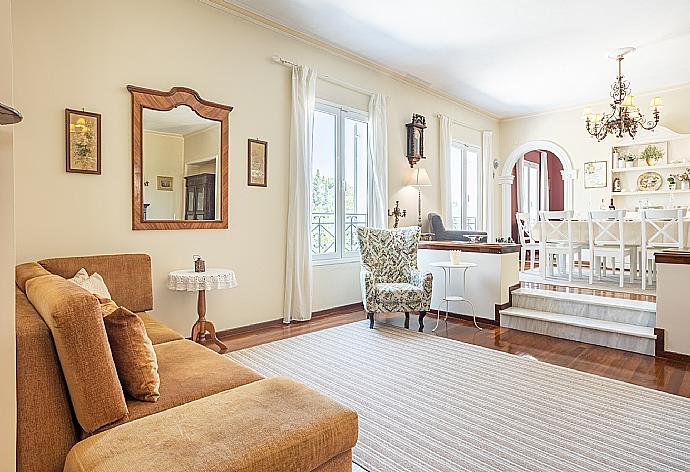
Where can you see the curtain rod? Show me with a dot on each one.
(456, 122)
(279, 60)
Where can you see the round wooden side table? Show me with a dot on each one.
(211, 279)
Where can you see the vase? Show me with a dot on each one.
(651, 161)
(628, 164)
(672, 186)
(685, 184)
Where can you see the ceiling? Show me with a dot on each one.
(179, 121)
(507, 57)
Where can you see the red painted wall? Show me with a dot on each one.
(556, 190)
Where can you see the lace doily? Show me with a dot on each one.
(212, 279)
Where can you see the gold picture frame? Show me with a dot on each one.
(164, 183)
(82, 142)
(257, 163)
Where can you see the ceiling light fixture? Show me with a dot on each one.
(625, 117)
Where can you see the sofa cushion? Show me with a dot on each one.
(46, 430)
(25, 272)
(135, 359)
(271, 425)
(189, 371)
(127, 276)
(75, 321)
(157, 331)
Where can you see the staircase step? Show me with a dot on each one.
(624, 336)
(637, 305)
(622, 311)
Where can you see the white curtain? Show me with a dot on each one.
(544, 178)
(378, 162)
(445, 143)
(298, 302)
(488, 183)
(519, 169)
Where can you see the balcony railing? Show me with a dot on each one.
(323, 232)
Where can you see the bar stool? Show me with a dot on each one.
(447, 270)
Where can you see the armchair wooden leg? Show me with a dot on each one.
(407, 319)
(422, 314)
(370, 316)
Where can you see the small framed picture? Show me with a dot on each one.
(257, 165)
(596, 174)
(164, 183)
(83, 142)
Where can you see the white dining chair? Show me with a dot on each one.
(527, 241)
(557, 240)
(661, 229)
(607, 239)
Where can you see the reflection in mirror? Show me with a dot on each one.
(181, 165)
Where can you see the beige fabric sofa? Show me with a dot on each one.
(213, 414)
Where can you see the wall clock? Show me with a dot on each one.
(415, 139)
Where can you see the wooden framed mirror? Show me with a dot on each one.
(179, 160)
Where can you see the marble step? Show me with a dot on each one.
(628, 337)
(632, 312)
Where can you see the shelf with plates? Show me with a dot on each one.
(677, 165)
(649, 192)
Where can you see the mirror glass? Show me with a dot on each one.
(181, 165)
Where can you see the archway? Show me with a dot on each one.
(506, 178)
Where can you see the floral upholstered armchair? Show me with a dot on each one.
(389, 276)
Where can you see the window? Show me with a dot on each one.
(466, 187)
(530, 189)
(339, 181)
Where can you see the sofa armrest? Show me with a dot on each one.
(270, 424)
(368, 286)
(425, 281)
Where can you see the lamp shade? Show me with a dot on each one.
(419, 178)
(9, 116)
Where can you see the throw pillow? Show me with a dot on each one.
(135, 359)
(94, 283)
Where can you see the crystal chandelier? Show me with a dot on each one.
(625, 117)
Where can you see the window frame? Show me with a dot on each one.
(341, 112)
(464, 148)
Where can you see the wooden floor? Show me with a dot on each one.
(591, 291)
(661, 374)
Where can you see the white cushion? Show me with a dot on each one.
(94, 283)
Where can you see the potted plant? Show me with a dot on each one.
(652, 155)
(684, 180)
(671, 182)
(629, 159)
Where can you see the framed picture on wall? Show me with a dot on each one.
(83, 142)
(164, 183)
(596, 174)
(257, 165)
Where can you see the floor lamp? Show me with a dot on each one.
(418, 179)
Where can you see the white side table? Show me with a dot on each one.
(211, 279)
(447, 271)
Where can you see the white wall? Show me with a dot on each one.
(8, 405)
(163, 156)
(566, 128)
(76, 54)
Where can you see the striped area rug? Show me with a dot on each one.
(427, 403)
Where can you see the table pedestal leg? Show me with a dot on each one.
(203, 326)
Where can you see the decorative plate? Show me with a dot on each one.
(649, 181)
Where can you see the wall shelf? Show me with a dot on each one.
(677, 165)
(647, 192)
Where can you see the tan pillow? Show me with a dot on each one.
(107, 305)
(135, 359)
(76, 323)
